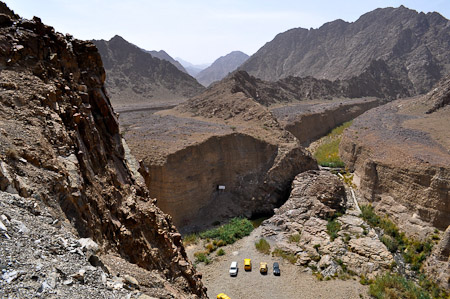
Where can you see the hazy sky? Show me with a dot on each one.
(200, 31)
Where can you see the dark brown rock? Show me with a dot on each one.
(61, 146)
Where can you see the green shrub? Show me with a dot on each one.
(390, 243)
(220, 252)
(263, 246)
(395, 286)
(295, 238)
(202, 257)
(285, 255)
(229, 233)
(333, 228)
(327, 154)
(414, 252)
(190, 239)
(210, 247)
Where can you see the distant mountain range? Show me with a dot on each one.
(221, 67)
(134, 76)
(164, 56)
(193, 69)
(409, 47)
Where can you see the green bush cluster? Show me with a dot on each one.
(396, 286)
(190, 239)
(292, 258)
(220, 252)
(202, 257)
(333, 227)
(263, 246)
(414, 252)
(327, 154)
(229, 233)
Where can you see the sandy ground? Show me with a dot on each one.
(294, 281)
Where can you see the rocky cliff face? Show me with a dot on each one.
(396, 44)
(222, 137)
(402, 150)
(136, 77)
(220, 68)
(60, 146)
(309, 122)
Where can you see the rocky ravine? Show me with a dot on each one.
(60, 147)
(308, 122)
(399, 46)
(222, 137)
(400, 153)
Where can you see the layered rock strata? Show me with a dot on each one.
(60, 145)
(402, 150)
(299, 227)
(400, 153)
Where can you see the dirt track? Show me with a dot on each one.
(294, 282)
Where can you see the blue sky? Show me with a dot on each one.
(200, 31)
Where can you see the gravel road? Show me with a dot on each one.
(294, 281)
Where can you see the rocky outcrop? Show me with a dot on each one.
(135, 77)
(309, 122)
(401, 151)
(60, 146)
(220, 68)
(299, 227)
(398, 45)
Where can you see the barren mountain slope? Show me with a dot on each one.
(412, 46)
(221, 67)
(161, 54)
(135, 77)
(60, 147)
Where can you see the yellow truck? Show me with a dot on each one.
(222, 296)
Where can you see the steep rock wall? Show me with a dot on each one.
(311, 123)
(399, 150)
(255, 178)
(60, 145)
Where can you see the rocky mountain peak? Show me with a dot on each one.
(135, 77)
(221, 67)
(412, 45)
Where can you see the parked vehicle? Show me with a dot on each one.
(276, 269)
(222, 296)
(247, 264)
(233, 269)
(263, 268)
